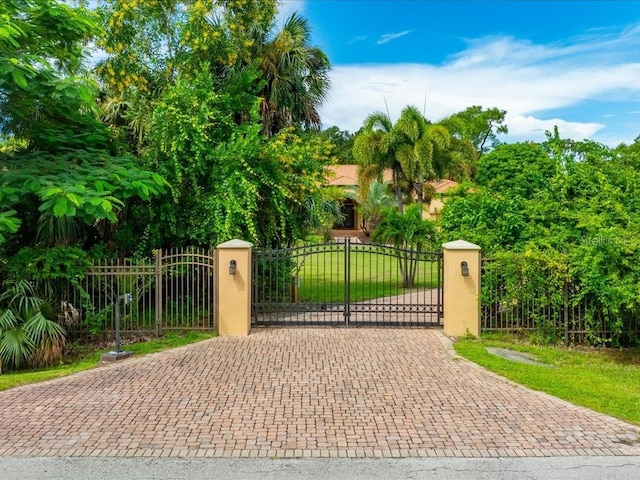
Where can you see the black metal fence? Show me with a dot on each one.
(347, 283)
(174, 290)
(544, 305)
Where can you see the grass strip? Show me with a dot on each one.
(373, 275)
(604, 380)
(90, 359)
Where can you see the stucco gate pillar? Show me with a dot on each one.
(462, 263)
(233, 288)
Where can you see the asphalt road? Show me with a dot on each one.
(550, 468)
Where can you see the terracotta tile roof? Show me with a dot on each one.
(347, 176)
(344, 175)
(443, 185)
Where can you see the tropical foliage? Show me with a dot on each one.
(63, 171)
(417, 144)
(199, 124)
(373, 207)
(572, 206)
(29, 333)
(372, 150)
(215, 100)
(478, 126)
(410, 233)
(295, 74)
(342, 142)
(200, 106)
(418, 151)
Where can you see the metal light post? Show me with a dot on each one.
(128, 298)
(118, 353)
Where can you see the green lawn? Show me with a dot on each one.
(90, 358)
(372, 276)
(605, 380)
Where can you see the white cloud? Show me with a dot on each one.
(387, 37)
(357, 39)
(523, 128)
(529, 81)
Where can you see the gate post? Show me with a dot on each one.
(461, 285)
(233, 288)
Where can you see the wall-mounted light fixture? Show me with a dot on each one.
(464, 267)
(233, 267)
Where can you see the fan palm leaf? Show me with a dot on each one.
(296, 77)
(19, 297)
(15, 348)
(47, 337)
(27, 336)
(8, 321)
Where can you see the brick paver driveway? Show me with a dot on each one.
(301, 393)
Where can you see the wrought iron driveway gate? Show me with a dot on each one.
(347, 284)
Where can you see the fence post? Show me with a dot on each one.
(233, 288)
(565, 311)
(158, 275)
(461, 285)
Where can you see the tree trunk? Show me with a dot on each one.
(418, 186)
(398, 191)
(407, 268)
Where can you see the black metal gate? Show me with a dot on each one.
(347, 284)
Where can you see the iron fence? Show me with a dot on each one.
(524, 303)
(347, 283)
(173, 290)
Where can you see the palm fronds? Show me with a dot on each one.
(27, 336)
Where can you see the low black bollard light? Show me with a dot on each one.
(118, 353)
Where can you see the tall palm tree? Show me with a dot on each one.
(373, 149)
(296, 77)
(411, 148)
(293, 73)
(416, 143)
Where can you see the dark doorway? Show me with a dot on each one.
(348, 209)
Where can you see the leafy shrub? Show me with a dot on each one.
(408, 232)
(55, 273)
(274, 277)
(560, 211)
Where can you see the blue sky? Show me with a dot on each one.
(575, 64)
